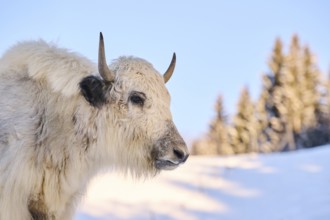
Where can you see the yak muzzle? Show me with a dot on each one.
(171, 162)
(170, 151)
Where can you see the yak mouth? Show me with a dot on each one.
(161, 164)
(170, 162)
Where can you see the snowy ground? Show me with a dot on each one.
(287, 186)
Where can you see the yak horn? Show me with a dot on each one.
(104, 70)
(167, 75)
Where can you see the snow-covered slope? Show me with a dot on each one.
(286, 186)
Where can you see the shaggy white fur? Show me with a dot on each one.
(52, 141)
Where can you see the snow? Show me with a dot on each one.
(282, 186)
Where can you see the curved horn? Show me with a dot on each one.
(104, 70)
(167, 75)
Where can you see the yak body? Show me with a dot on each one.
(60, 123)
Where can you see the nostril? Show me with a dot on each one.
(184, 159)
(179, 154)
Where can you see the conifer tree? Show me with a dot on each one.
(293, 110)
(292, 87)
(310, 94)
(216, 140)
(316, 126)
(242, 133)
(262, 123)
(218, 130)
(273, 98)
(292, 99)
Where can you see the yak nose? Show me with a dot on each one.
(181, 155)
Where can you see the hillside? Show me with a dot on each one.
(283, 186)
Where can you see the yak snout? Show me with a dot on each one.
(172, 157)
(180, 154)
(170, 151)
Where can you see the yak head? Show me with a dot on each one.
(132, 94)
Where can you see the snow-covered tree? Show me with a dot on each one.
(292, 111)
(316, 120)
(273, 131)
(216, 141)
(262, 123)
(242, 132)
(218, 130)
(291, 93)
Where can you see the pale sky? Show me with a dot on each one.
(221, 46)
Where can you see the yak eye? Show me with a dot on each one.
(137, 98)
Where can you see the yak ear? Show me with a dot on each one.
(94, 90)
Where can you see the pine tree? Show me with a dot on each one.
(292, 87)
(242, 133)
(325, 96)
(218, 130)
(293, 110)
(292, 99)
(305, 115)
(273, 128)
(310, 94)
(316, 126)
(262, 123)
(216, 140)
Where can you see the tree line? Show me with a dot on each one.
(292, 111)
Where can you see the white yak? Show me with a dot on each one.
(63, 118)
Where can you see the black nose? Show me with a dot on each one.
(180, 154)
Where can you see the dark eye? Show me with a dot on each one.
(137, 99)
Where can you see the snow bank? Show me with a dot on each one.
(284, 186)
